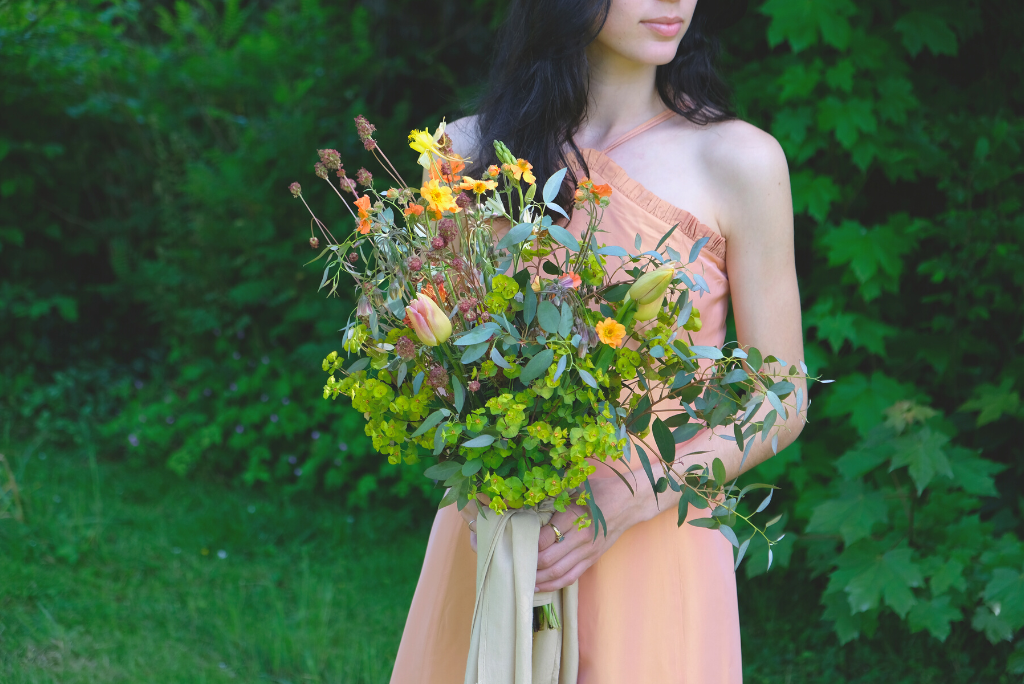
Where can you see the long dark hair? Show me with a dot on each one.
(536, 97)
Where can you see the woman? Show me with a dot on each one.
(624, 92)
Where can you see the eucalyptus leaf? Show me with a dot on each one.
(474, 352)
(515, 235)
(442, 471)
(417, 382)
(565, 324)
(767, 500)
(741, 553)
(561, 367)
(697, 246)
(548, 317)
(754, 359)
(769, 422)
(686, 432)
(553, 184)
(587, 378)
(498, 359)
(481, 333)
(537, 366)
(529, 305)
(402, 371)
(359, 364)
(728, 533)
(611, 250)
(702, 352)
(735, 375)
(664, 439)
(776, 403)
(554, 207)
(429, 422)
(718, 468)
(479, 441)
(666, 236)
(564, 237)
(459, 394)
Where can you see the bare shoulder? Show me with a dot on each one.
(742, 154)
(465, 135)
(748, 171)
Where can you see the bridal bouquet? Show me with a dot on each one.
(523, 357)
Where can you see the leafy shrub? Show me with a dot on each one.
(147, 238)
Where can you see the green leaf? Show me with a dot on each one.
(875, 256)
(474, 352)
(564, 237)
(949, 575)
(1006, 589)
(754, 359)
(472, 467)
(735, 375)
(685, 432)
(442, 471)
(460, 394)
(665, 441)
(529, 305)
(923, 29)
(890, 576)
(515, 235)
(537, 366)
(617, 293)
(973, 474)
(479, 441)
(586, 377)
(683, 510)
(864, 399)
(993, 402)
(851, 515)
(565, 324)
(813, 194)
(729, 534)
(646, 464)
(552, 185)
(479, 334)
(718, 468)
(922, 451)
(429, 422)
(713, 353)
(709, 523)
(548, 317)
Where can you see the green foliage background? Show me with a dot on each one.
(152, 287)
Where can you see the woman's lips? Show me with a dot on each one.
(664, 26)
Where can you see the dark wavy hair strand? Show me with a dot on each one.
(537, 94)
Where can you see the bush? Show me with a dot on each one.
(150, 258)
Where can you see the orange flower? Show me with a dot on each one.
(439, 198)
(611, 332)
(455, 165)
(602, 190)
(478, 187)
(363, 204)
(521, 169)
(585, 182)
(493, 171)
(413, 210)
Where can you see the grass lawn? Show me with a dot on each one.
(132, 575)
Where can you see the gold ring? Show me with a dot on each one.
(558, 535)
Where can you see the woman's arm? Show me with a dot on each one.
(756, 217)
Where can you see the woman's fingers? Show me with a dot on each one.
(563, 563)
(565, 579)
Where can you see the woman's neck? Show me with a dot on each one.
(622, 96)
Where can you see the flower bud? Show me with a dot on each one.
(651, 286)
(428, 321)
(363, 306)
(313, 242)
(645, 312)
(536, 286)
(295, 189)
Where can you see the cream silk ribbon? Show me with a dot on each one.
(503, 648)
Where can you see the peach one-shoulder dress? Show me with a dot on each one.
(659, 607)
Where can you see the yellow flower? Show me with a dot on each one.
(427, 144)
(611, 332)
(439, 197)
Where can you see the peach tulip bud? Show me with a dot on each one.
(650, 287)
(428, 321)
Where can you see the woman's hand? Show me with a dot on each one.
(561, 564)
(469, 514)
